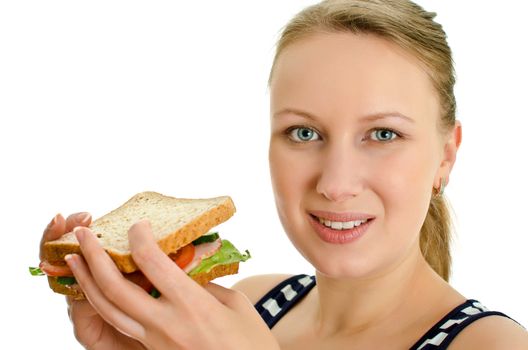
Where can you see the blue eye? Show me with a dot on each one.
(302, 134)
(384, 135)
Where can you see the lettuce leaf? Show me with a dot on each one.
(35, 271)
(227, 254)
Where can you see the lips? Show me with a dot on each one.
(340, 235)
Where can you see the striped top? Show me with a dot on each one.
(279, 300)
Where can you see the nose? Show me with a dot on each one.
(340, 176)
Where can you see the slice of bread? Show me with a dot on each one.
(201, 278)
(175, 223)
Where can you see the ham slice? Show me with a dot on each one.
(55, 270)
(203, 251)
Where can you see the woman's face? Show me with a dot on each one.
(354, 135)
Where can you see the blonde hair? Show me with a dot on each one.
(414, 29)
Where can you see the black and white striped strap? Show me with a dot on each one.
(283, 297)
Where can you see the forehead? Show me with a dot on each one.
(352, 74)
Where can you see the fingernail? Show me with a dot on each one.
(84, 218)
(70, 261)
(53, 221)
(79, 233)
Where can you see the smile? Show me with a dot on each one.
(340, 232)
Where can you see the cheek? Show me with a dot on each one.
(290, 172)
(292, 177)
(279, 176)
(406, 190)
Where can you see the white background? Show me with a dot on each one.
(103, 99)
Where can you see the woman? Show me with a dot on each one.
(363, 140)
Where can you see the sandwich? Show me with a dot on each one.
(180, 227)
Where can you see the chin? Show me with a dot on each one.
(333, 261)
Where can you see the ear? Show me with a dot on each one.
(450, 146)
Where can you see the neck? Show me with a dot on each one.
(355, 306)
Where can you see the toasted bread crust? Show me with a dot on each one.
(55, 251)
(217, 271)
(73, 291)
(201, 278)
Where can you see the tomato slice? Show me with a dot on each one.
(55, 270)
(140, 279)
(183, 256)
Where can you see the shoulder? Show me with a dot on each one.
(492, 332)
(255, 287)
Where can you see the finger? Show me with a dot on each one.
(97, 299)
(127, 296)
(78, 219)
(87, 323)
(161, 271)
(55, 229)
(59, 226)
(79, 308)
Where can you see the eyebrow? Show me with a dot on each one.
(370, 117)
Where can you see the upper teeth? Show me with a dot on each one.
(339, 225)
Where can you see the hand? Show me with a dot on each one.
(91, 330)
(186, 316)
